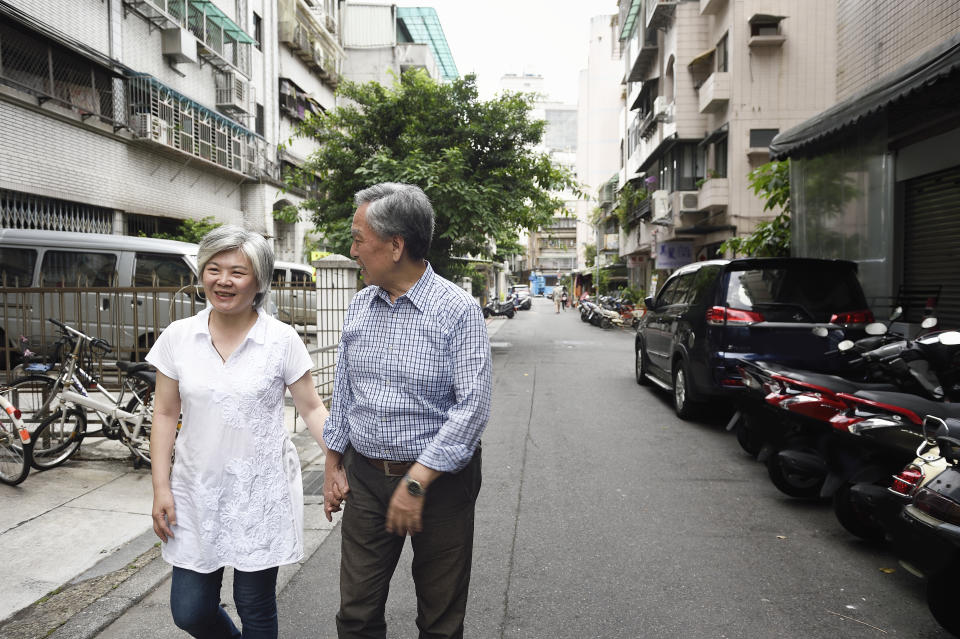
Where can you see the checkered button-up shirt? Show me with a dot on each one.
(413, 377)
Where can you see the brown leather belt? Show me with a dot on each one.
(389, 468)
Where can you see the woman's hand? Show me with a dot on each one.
(164, 514)
(335, 486)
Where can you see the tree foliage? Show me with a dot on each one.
(474, 159)
(771, 238)
(189, 230)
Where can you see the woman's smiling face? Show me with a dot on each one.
(229, 282)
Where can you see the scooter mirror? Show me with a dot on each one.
(820, 331)
(875, 328)
(928, 322)
(896, 313)
(845, 345)
(950, 338)
(933, 427)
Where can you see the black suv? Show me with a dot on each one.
(708, 315)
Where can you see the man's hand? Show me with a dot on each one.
(335, 486)
(405, 513)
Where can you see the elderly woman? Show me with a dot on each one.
(234, 496)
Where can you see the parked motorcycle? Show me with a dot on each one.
(495, 308)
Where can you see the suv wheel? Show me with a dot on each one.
(641, 365)
(682, 403)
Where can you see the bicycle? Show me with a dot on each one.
(16, 450)
(57, 406)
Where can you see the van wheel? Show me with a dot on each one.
(682, 404)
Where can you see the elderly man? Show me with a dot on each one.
(411, 398)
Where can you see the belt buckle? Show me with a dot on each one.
(386, 468)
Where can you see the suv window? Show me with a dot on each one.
(674, 291)
(807, 292)
(69, 268)
(170, 270)
(16, 267)
(701, 284)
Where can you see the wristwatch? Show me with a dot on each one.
(414, 487)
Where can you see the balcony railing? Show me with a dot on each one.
(160, 115)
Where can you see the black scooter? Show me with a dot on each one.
(495, 308)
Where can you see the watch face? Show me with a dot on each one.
(414, 488)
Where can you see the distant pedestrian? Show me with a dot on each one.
(234, 496)
(411, 398)
(558, 298)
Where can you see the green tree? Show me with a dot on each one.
(474, 159)
(189, 230)
(771, 238)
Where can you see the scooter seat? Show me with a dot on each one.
(919, 405)
(835, 383)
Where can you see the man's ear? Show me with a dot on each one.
(396, 247)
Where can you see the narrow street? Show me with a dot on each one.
(603, 515)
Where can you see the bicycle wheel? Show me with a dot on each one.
(139, 442)
(15, 456)
(29, 394)
(58, 437)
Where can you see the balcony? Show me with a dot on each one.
(711, 7)
(220, 41)
(659, 13)
(714, 195)
(310, 33)
(162, 117)
(715, 92)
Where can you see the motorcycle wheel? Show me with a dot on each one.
(749, 437)
(641, 367)
(605, 323)
(942, 600)
(857, 520)
(509, 314)
(791, 483)
(583, 316)
(486, 313)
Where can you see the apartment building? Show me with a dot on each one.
(875, 177)
(130, 116)
(707, 85)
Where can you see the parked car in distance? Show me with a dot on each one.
(708, 315)
(294, 293)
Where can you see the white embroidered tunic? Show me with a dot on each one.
(236, 476)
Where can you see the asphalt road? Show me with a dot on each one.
(603, 515)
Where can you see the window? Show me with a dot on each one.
(258, 30)
(169, 270)
(301, 279)
(765, 25)
(761, 138)
(721, 56)
(260, 125)
(68, 269)
(16, 267)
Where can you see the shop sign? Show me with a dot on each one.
(671, 255)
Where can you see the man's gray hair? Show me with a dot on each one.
(253, 245)
(399, 209)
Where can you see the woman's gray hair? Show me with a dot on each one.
(253, 245)
(399, 209)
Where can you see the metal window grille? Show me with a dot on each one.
(26, 211)
(50, 71)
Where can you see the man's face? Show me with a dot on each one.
(373, 254)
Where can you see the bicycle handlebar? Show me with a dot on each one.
(95, 342)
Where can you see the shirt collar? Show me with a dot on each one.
(201, 325)
(417, 294)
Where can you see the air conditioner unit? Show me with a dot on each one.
(688, 201)
(147, 126)
(233, 93)
(179, 45)
(662, 214)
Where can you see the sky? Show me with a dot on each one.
(495, 37)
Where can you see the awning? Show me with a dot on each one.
(219, 18)
(630, 19)
(917, 75)
(703, 57)
(648, 86)
(765, 18)
(716, 134)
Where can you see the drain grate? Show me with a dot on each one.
(312, 482)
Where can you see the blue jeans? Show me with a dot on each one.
(195, 603)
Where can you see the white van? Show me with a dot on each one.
(295, 292)
(93, 282)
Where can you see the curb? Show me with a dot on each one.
(92, 601)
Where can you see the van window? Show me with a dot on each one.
(301, 279)
(16, 266)
(68, 268)
(279, 276)
(170, 270)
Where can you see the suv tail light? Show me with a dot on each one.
(907, 481)
(852, 317)
(722, 315)
(936, 505)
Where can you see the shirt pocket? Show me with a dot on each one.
(427, 372)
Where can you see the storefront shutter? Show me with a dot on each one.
(931, 252)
